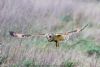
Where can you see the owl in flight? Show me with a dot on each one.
(50, 37)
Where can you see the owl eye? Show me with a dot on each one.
(49, 36)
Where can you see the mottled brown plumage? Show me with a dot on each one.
(55, 38)
(61, 36)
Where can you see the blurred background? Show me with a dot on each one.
(49, 16)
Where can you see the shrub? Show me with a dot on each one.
(69, 63)
(28, 63)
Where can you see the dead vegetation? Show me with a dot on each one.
(47, 16)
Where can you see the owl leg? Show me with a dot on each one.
(57, 44)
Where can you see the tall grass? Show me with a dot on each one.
(47, 16)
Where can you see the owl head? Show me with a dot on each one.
(50, 37)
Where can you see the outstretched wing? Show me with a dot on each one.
(18, 35)
(68, 34)
(77, 30)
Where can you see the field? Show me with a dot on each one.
(49, 16)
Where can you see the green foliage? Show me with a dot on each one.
(3, 59)
(69, 63)
(15, 65)
(93, 51)
(28, 63)
(85, 44)
(88, 46)
(66, 18)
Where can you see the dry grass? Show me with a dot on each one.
(46, 16)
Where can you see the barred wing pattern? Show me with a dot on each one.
(50, 37)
